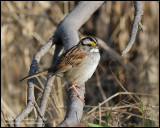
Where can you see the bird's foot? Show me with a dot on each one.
(78, 95)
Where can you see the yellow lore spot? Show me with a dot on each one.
(93, 43)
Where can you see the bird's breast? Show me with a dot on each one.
(83, 71)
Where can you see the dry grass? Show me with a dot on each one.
(25, 26)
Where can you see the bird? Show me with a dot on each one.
(76, 65)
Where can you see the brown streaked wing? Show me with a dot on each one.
(70, 59)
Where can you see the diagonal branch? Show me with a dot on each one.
(44, 100)
(30, 91)
(40, 114)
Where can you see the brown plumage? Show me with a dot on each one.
(68, 60)
(35, 75)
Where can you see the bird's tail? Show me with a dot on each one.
(35, 75)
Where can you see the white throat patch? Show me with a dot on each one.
(94, 50)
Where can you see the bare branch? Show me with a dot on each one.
(68, 30)
(30, 91)
(44, 99)
(24, 113)
(138, 5)
(69, 27)
(74, 109)
(129, 67)
(47, 89)
(40, 114)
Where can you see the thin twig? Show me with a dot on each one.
(44, 100)
(100, 88)
(40, 114)
(119, 81)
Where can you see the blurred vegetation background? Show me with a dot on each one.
(25, 26)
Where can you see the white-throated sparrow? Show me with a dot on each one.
(77, 65)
